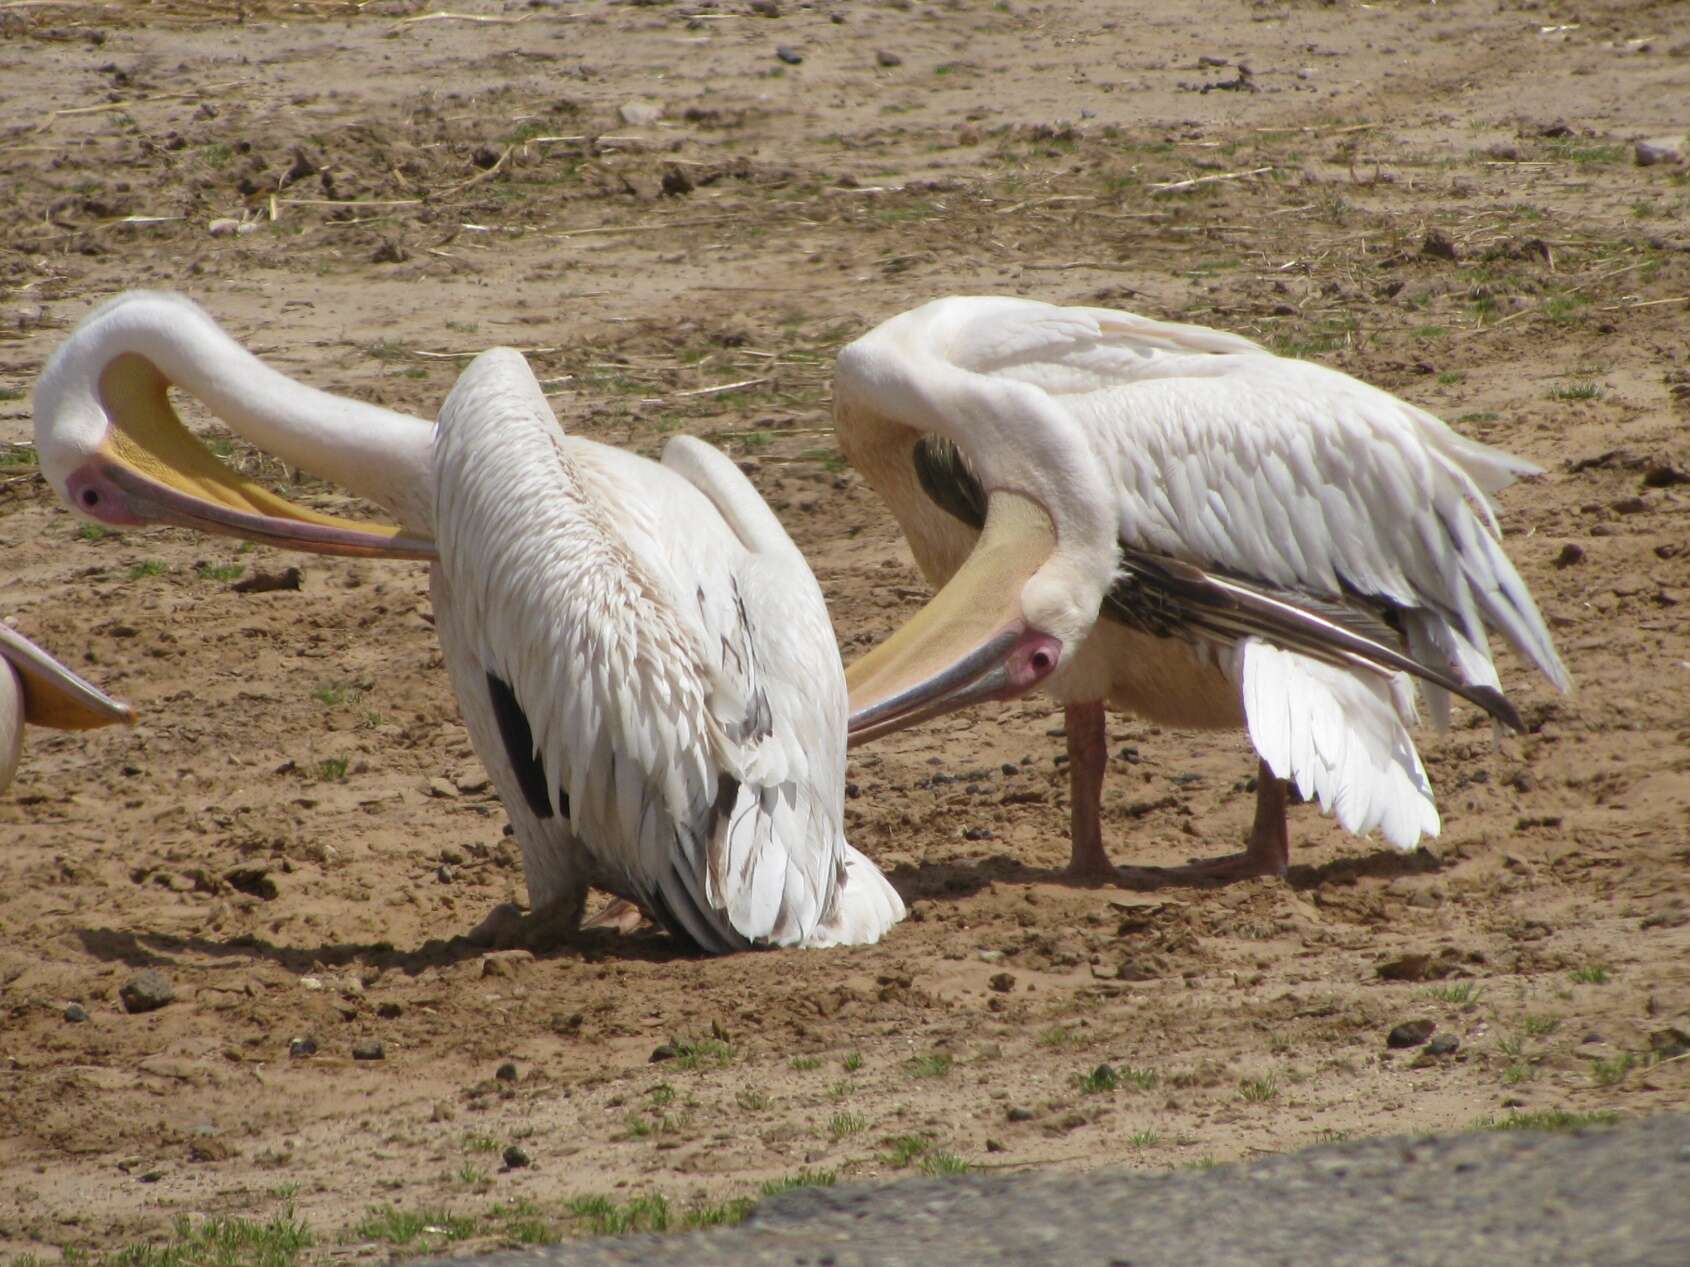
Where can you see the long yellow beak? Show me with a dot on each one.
(971, 642)
(52, 694)
(155, 471)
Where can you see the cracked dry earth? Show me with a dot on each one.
(681, 225)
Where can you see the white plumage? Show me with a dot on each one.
(642, 660)
(1234, 538)
(674, 665)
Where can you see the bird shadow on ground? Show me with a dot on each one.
(161, 949)
(953, 881)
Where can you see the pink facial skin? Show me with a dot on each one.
(92, 492)
(1032, 660)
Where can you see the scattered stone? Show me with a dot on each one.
(1003, 982)
(661, 1053)
(223, 227)
(1443, 1045)
(640, 114)
(1420, 967)
(1664, 475)
(389, 252)
(1439, 245)
(766, 8)
(389, 1011)
(887, 58)
(368, 1049)
(152, 1176)
(516, 1157)
(1570, 554)
(1019, 1114)
(977, 833)
(253, 881)
(995, 1146)
(146, 991)
(1659, 149)
(444, 874)
(1410, 1033)
(300, 1048)
(506, 1072)
(75, 1012)
(269, 582)
(211, 1150)
(442, 788)
(789, 55)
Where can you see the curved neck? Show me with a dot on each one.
(372, 451)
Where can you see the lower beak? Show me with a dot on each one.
(971, 643)
(52, 694)
(265, 518)
(158, 472)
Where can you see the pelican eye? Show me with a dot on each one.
(1042, 660)
(90, 497)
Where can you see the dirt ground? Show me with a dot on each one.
(681, 212)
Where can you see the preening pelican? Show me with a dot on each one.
(643, 661)
(1174, 521)
(37, 689)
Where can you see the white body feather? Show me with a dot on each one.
(1207, 448)
(673, 657)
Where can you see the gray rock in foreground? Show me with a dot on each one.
(1619, 1196)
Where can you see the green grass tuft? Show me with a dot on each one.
(222, 1242)
(1547, 1120)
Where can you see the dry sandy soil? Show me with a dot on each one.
(1439, 198)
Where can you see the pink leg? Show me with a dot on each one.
(1088, 754)
(1269, 849)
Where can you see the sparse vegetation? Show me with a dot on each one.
(1456, 993)
(1591, 974)
(842, 1124)
(935, 1064)
(1547, 1120)
(1258, 1090)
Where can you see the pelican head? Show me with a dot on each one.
(1018, 609)
(37, 689)
(111, 443)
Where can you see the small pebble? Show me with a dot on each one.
(369, 1049)
(1660, 149)
(995, 1146)
(1442, 1045)
(1003, 982)
(1439, 245)
(76, 1012)
(146, 991)
(299, 1048)
(1019, 1114)
(1410, 1033)
(887, 58)
(444, 874)
(791, 56)
(506, 1072)
(1570, 554)
(516, 1157)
